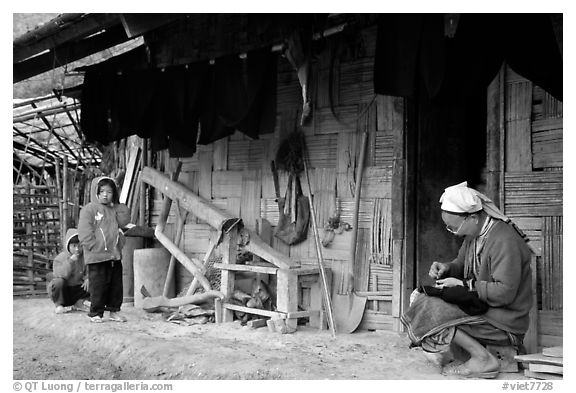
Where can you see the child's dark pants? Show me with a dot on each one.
(106, 292)
(63, 295)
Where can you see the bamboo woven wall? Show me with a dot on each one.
(234, 173)
(533, 190)
(36, 236)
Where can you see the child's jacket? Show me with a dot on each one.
(99, 227)
(64, 267)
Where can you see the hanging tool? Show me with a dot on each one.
(349, 308)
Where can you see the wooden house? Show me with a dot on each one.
(439, 98)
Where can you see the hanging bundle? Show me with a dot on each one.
(294, 208)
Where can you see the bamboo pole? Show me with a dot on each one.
(65, 197)
(327, 300)
(170, 276)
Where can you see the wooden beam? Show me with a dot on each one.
(66, 28)
(247, 268)
(60, 56)
(54, 110)
(138, 24)
(47, 123)
(255, 311)
(213, 216)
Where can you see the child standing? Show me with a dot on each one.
(68, 284)
(99, 232)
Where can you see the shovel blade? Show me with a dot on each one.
(348, 311)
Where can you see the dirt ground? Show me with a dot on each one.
(55, 347)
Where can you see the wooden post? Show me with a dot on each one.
(493, 139)
(502, 128)
(218, 310)
(65, 197)
(531, 338)
(29, 239)
(287, 295)
(229, 256)
(59, 195)
(143, 163)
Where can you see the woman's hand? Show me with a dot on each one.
(438, 270)
(449, 282)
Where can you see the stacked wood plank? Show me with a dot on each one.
(546, 365)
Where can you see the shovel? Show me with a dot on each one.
(349, 308)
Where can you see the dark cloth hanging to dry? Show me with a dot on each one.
(241, 96)
(414, 45)
(168, 105)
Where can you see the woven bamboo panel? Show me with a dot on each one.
(377, 182)
(550, 328)
(205, 172)
(196, 238)
(346, 163)
(532, 228)
(544, 106)
(382, 274)
(250, 197)
(345, 121)
(323, 182)
(155, 212)
(533, 193)
(220, 154)
(356, 81)
(226, 184)
(268, 190)
(304, 249)
(390, 113)
(362, 260)
(328, 77)
(338, 249)
(552, 272)
(518, 100)
(365, 211)
(367, 123)
(190, 180)
(322, 150)
(380, 245)
(245, 154)
(518, 146)
(376, 320)
(269, 210)
(384, 149)
(229, 205)
(289, 92)
(190, 164)
(547, 141)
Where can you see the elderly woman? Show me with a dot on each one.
(483, 296)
